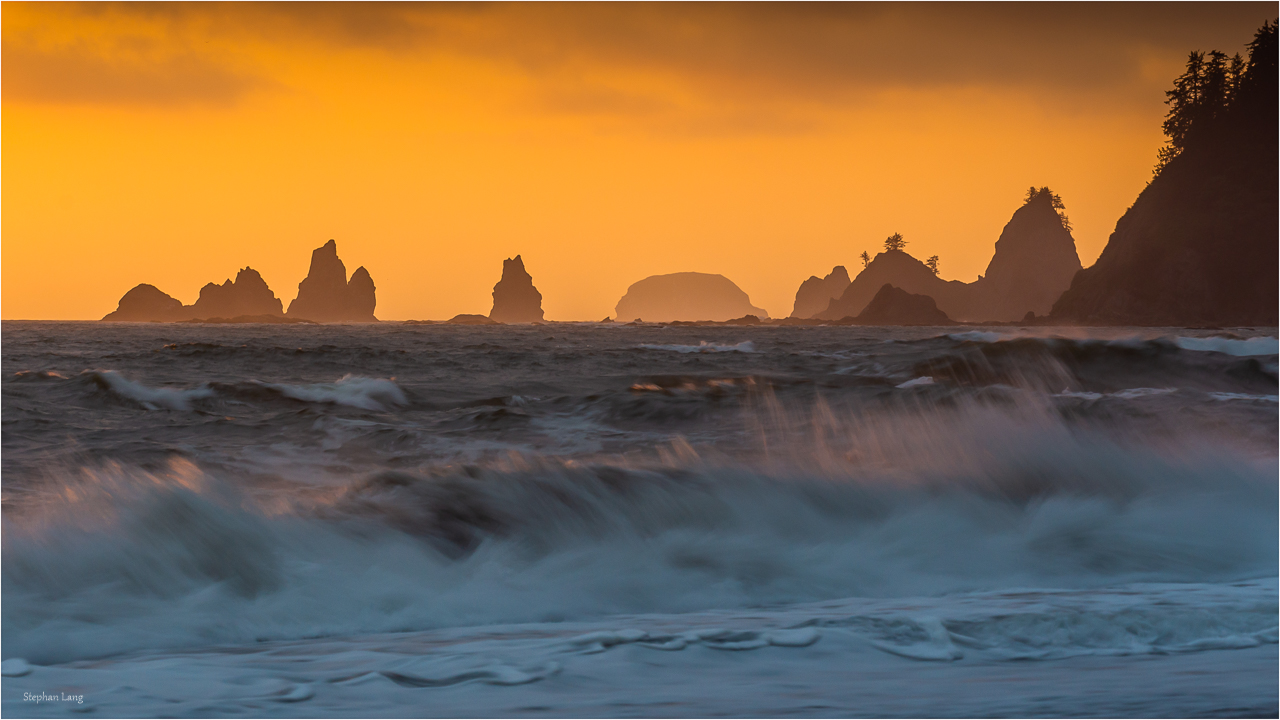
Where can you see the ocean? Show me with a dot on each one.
(581, 519)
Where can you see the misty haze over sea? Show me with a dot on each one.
(603, 519)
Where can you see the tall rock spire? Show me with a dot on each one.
(515, 299)
(325, 295)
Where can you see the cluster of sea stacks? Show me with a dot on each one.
(1198, 247)
(1034, 261)
(325, 295)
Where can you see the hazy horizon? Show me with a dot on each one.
(175, 144)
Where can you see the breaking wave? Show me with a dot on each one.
(150, 398)
(359, 392)
(976, 500)
(1239, 348)
(375, 394)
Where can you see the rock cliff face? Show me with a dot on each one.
(1199, 245)
(325, 295)
(894, 306)
(687, 296)
(146, 303)
(816, 293)
(515, 299)
(1034, 262)
(248, 295)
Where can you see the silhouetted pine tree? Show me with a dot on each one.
(894, 242)
(1044, 194)
(1212, 84)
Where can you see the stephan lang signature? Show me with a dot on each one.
(56, 697)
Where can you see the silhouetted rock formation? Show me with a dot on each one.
(362, 296)
(1033, 264)
(465, 319)
(248, 295)
(1199, 245)
(146, 303)
(816, 293)
(325, 295)
(895, 306)
(685, 296)
(1034, 261)
(897, 268)
(515, 299)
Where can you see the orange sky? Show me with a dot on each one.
(174, 144)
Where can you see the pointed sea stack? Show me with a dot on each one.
(515, 299)
(816, 293)
(1033, 264)
(325, 295)
(248, 295)
(147, 303)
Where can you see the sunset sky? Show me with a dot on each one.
(175, 144)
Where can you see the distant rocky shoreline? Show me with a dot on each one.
(1197, 248)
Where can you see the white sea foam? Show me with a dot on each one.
(705, 347)
(1132, 393)
(151, 398)
(1127, 394)
(1240, 348)
(132, 561)
(982, 336)
(917, 382)
(1136, 645)
(376, 394)
(1244, 396)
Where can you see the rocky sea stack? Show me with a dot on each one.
(895, 306)
(896, 268)
(816, 293)
(515, 299)
(147, 303)
(1034, 261)
(248, 295)
(326, 295)
(685, 296)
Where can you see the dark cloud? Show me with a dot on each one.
(727, 52)
(834, 51)
(77, 75)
